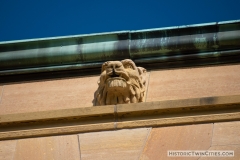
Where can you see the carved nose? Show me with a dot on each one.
(114, 74)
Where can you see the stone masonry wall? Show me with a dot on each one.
(132, 144)
(79, 92)
(141, 143)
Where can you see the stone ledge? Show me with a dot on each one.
(147, 114)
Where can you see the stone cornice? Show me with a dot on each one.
(112, 117)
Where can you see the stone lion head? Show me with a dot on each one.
(120, 82)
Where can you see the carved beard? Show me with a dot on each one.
(121, 84)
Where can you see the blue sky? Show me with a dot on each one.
(26, 19)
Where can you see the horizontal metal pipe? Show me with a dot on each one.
(89, 51)
(161, 59)
(204, 55)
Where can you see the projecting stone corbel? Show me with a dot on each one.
(120, 82)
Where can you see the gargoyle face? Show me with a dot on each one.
(121, 82)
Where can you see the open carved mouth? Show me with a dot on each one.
(114, 75)
(116, 81)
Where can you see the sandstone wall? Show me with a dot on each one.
(79, 92)
(142, 143)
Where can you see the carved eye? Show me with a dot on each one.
(118, 66)
(128, 66)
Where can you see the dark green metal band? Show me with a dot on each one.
(161, 45)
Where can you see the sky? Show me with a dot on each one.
(27, 19)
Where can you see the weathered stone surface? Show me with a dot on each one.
(121, 116)
(46, 148)
(226, 133)
(7, 149)
(121, 82)
(190, 137)
(235, 148)
(48, 95)
(120, 144)
(194, 82)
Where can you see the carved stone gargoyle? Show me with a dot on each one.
(120, 82)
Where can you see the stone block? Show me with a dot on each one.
(117, 145)
(194, 82)
(7, 149)
(48, 95)
(189, 137)
(235, 148)
(46, 148)
(226, 133)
